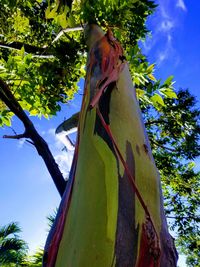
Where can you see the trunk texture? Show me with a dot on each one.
(103, 221)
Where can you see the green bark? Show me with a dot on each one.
(101, 221)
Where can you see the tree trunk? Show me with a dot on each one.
(112, 211)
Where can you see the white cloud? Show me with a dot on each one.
(21, 143)
(57, 145)
(167, 25)
(180, 4)
(168, 49)
(164, 25)
(64, 161)
(52, 131)
(62, 156)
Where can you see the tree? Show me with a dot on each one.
(34, 260)
(12, 248)
(41, 64)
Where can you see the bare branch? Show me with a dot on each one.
(160, 145)
(17, 136)
(28, 50)
(79, 28)
(18, 46)
(197, 218)
(28, 141)
(43, 56)
(155, 122)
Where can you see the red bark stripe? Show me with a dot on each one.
(155, 244)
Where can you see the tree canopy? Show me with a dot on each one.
(43, 70)
(42, 58)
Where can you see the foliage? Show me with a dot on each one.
(174, 133)
(51, 218)
(35, 260)
(12, 248)
(43, 73)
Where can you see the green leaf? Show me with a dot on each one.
(33, 112)
(151, 77)
(21, 23)
(61, 20)
(71, 21)
(168, 92)
(157, 99)
(51, 13)
(139, 92)
(137, 80)
(150, 68)
(171, 94)
(22, 52)
(6, 121)
(168, 81)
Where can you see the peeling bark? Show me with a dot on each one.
(103, 221)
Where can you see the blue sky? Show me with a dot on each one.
(27, 193)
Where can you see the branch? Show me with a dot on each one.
(17, 136)
(184, 217)
(164, 147)
(155, 122)
(80, 28)
(28, 141)
(30, 132)
(43, 56)
(28, 49)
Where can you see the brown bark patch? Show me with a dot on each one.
(146, 150)
(127, 234)
(137, 149)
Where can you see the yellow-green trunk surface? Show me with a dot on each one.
(98, 225)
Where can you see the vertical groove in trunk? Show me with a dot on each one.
(127, 232)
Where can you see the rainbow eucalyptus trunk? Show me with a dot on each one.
(112, 211)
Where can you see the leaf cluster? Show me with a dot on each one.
(43, 73)
(12, 248)
(174, 133)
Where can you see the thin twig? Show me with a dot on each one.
(28, 141)
(33, 56)
(184, 217)
(157, 144)
(155, 122)
(13, 130)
